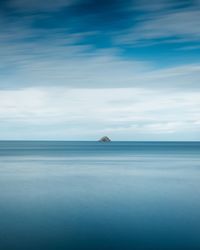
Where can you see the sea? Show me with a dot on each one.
(57, 195)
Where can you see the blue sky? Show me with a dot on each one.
(80, 69)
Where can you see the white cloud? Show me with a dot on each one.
(88, 113)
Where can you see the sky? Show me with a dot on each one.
(82, 69)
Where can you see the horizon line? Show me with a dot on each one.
(54, 140)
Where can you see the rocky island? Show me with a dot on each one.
(105, 139)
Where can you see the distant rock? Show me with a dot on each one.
(105, 139)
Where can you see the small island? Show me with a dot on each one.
(105, 139)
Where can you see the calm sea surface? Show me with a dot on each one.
(96, 196)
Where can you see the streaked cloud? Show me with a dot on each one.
(173, 26)
(105, 69)
(37, 5)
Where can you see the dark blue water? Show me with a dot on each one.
(91, 195)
